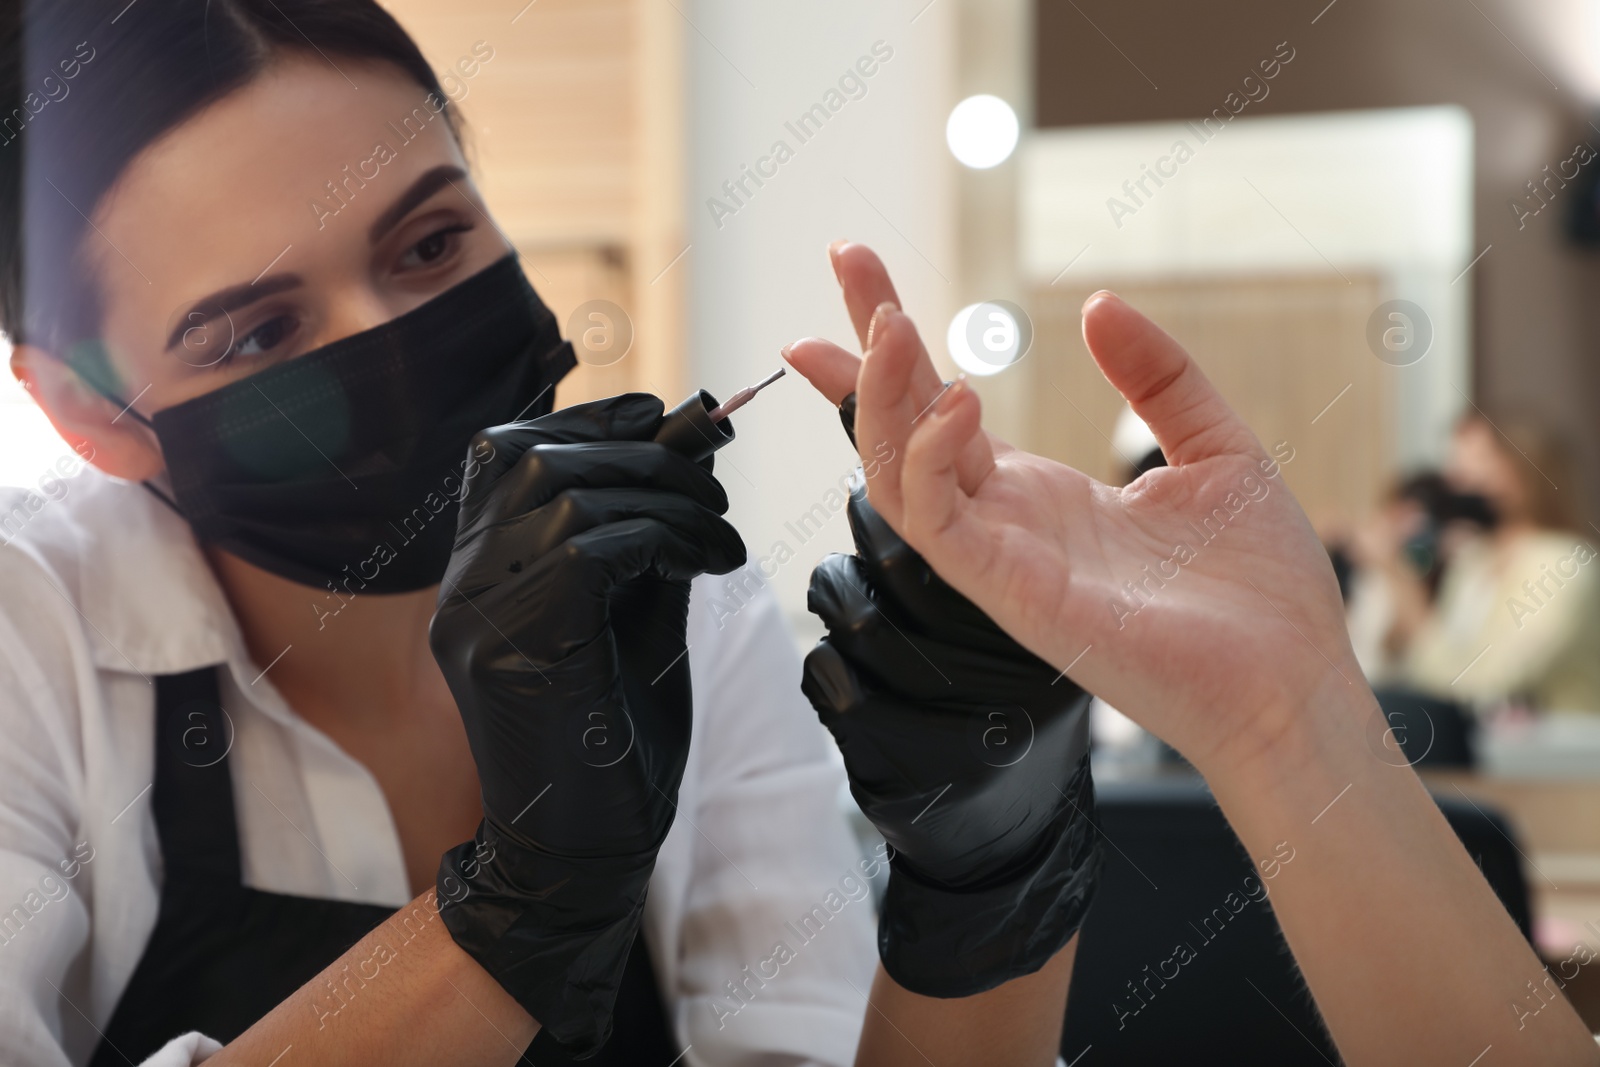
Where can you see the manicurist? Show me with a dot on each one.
(244, 792)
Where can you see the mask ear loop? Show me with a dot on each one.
(165, 499)
(127, 409)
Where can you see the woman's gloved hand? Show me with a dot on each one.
(561, 632)
(968, 753)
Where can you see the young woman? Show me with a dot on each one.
(229, 753)
(1519, 606)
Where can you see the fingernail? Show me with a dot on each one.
(879, 320)
(784, 351)
(951, 397)
(1099, 294)
(833, 258)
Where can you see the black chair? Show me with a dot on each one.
(1431, 732)
(1181, 959)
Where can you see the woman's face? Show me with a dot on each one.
(223, 248)
(1479, 463)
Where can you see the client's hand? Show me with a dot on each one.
(561, 629)
(1199, 601)
(1117, 586)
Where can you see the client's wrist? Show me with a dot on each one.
(1329, 731)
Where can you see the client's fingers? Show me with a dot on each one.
(937, 517)
(888, 403)
(865, 282)
(898, 387)
(1163, 383)
(867, 290)
(829, 368)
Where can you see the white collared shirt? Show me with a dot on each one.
(103, 588)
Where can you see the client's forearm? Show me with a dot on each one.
(1411, 957)
(405, 994)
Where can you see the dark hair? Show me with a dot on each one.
(85, 85)
(1540, 455)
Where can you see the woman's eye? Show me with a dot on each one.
(261, 340)
(433, 248)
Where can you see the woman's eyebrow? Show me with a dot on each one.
(228, 300)
(425, 186)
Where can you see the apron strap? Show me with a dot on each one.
(193, 793)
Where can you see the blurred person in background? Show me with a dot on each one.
(1517, 616)
(1390, 567)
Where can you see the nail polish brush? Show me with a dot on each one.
(699, 426)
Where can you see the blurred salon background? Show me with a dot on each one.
(1376, 224)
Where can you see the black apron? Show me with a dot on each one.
(223, 955)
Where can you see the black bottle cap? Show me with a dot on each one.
(688, 428)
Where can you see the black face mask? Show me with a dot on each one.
(344, 467)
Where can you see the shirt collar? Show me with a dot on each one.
(151, 601)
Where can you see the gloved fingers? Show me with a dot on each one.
(890, 563)
(894, 650)
(892, 749)
(496, 449)
(692, 543)
(839, 595)
(955, 787)
(546, 605)
(831, 684)
(861, 722)
(509, 553)
(865, 626)
(492, 633)
(850, 701)
(875, 634)
(547, 470)
(900, 576)
(524, 538)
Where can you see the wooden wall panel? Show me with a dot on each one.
(1280, 349)
(551, 115)
(1535, 317)
(575, 132)
(567, 279)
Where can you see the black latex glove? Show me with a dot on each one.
(970, 756)
(561, 632)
